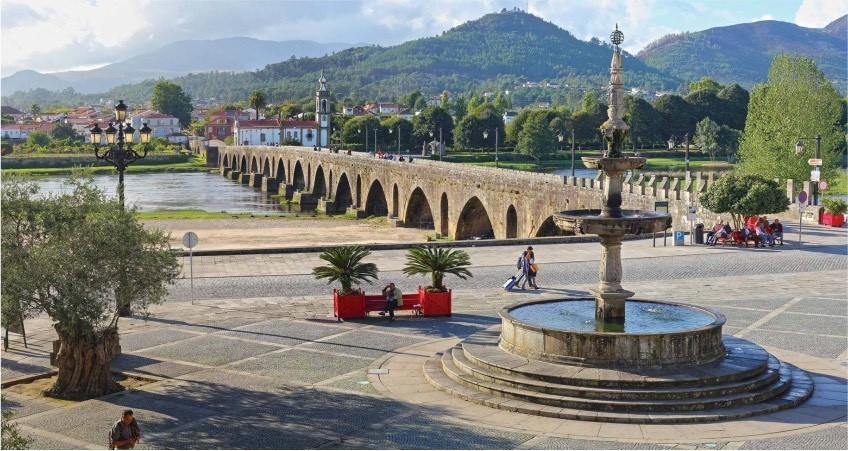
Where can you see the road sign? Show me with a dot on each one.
(814, 175)
(814, 162)
(190, 240)
(679, 238)
(823, 185)
(802, 197)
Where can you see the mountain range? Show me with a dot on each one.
(495, 52)
(236, 54)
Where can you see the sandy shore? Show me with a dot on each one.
(252, 233)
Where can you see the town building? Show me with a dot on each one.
(262, 132)
(220, 124)
(161, 125)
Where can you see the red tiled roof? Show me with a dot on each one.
(292, 124)
(261, 123)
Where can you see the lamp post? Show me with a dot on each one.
(359, 130)
(671, 143)
(573, 144)
(119, 142)
(799, 148)
(375, 140)
(398, 148)
(486, 135)
(441, 145)
(686, 155)
(560, 137)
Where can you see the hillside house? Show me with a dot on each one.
(220, 124)
(509, 116)
(161, 125)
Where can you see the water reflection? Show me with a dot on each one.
(179, 191)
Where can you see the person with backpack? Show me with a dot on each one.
(528, 268)
(125, 433)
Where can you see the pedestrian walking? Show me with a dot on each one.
(529, 268)
(125, 433)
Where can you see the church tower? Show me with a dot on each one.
(322, 112)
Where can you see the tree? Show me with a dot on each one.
(60, 259)
(735, 107)
(346, 267)
(169, 98)
(707, 136)
(460, 108)
(536, 139)
(744, 195)
(62, 131)
(437, 262)
(432, 119)
(38, 139)
(589, 103)
(501, 103)
(393, 126)
(728, 142)
(469, 131)
(256, 101)
(35, 110)
(354, 130)
(796, 101)
(645, 122)
(704, 84)
(445, 101)
(676, 114)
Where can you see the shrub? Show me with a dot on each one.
(834, 205)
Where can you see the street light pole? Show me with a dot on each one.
(375, 140)
(686, 154)
(486, 135)
(573, 143)
(441, 144)
(799, 147)
(120, 152)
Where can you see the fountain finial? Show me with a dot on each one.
(615, 129)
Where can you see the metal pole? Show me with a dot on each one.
(191, 272)
(375, 141)
(800, 216)
(686, 155)
(366, 138)
(398, 152)
(816, 184)
(441, 144)
(572, 153)
(496, 147)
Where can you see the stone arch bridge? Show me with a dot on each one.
(459, 201)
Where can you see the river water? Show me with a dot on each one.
(186, 190)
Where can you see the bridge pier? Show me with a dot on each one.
(226, 171)
(244, 179)
(270, 185)
(304, 198)
(235, 175)
(256, 180)
(286, 190)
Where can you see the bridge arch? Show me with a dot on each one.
(330, 187)
(511, 222)
(395, 201)
(418, 212)
(343, 197)
(358, 191)
(254, 165)
(266, 167)
(243, 164)
(319, 186)
(473, 221)
(549, 228)
(375, 203)
(444, 223)
(298, 179)
(280, 173)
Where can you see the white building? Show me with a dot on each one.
(509, 116)
(303, 131)
(161, 125)
(264, 132)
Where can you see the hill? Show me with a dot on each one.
(742, 53)
(497, 51)
(173, 60)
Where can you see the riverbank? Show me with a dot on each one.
(275, 232)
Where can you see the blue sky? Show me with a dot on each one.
(51, 35)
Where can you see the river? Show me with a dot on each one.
(186, 190)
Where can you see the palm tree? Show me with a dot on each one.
(346, 267)
(437, 262)
(257, 101)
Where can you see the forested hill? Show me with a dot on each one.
(500, 50)
(742, 53)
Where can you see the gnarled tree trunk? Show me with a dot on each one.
(85, 365)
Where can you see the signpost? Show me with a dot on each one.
(815, 174)
(823, 185)
(814, 162)
(189, 241)
(802, 202)
(663, 207)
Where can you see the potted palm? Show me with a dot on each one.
(435, 299)
(344, 264)
(834, 211)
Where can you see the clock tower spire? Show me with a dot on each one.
(322, 112)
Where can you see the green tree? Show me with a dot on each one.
(431, 119)
(469, 131)
(735, 107)
(536, 138)
(344, 265)
(11, 436)
(54, 263)
(256, 101)
(393, 126)
(445, 101)
(744, 195)
(501, 103)
(39, 139)
(707, 135)
(796, 101)
(169, 98)
(728, 142)
(645, 122)
(354, 130)
(705, 84)
(35, 110)
(589, 102)
(676, 114)
(412, 98)
(62, 131)
(460, 108)
(437, 262)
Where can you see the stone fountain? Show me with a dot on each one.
(613, 358)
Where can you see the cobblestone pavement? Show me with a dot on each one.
(258, 362)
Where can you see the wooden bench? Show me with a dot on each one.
(377, 302)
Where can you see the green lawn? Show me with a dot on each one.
(197, 163)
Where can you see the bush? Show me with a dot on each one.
(744, 195)
(834, 205)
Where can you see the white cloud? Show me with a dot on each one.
(762, 18)
(818, 13)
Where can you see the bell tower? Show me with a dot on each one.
(322, 112)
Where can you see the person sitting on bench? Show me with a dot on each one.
(717, 227)
(777, 231)
(394, 298)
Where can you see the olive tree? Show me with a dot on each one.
(744, 195)
(70, 256)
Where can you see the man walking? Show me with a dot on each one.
(125, 433)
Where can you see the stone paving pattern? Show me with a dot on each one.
(253, 359)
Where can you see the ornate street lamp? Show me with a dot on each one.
(799, 148)
(359, 130)
(398, 149)
(486, 135)
(119, 144)
(671, 143)
(441, 144)
(686, 155)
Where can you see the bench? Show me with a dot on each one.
(377, 302)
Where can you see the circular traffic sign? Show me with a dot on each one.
(190, 239)
(802, 197)
(823, 185)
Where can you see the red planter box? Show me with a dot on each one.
(435, 304)
(833, 220)
(351, 306)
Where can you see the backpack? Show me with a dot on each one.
(520, 262)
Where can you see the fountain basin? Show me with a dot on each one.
(613, 165)
(632, 222)
(657, 341)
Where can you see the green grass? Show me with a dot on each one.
(197, 163)
(678, 164)
(838, 185)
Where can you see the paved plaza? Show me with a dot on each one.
(252, 358)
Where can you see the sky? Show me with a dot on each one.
(57, 35)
